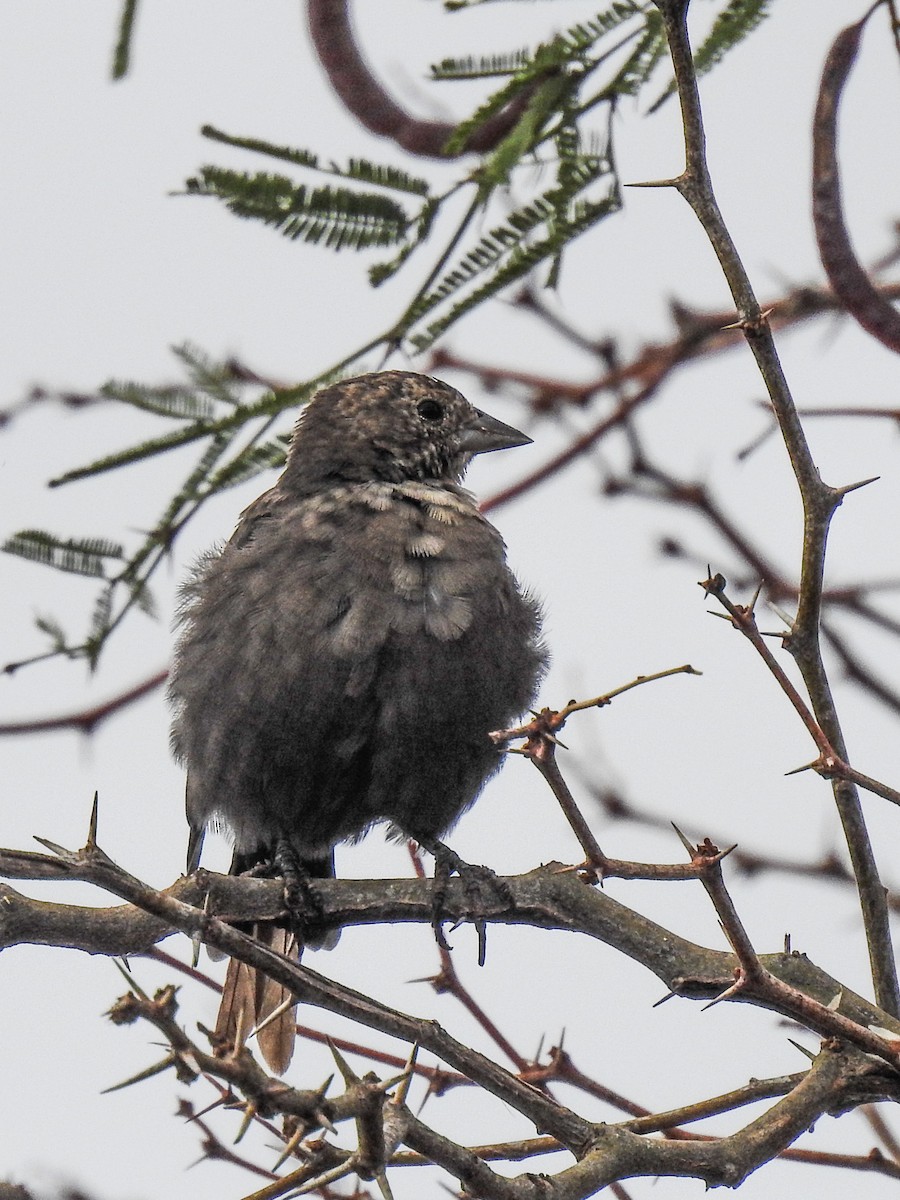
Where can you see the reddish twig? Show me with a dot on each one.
(829, 867)
(579, 446)
(882, 1130)
(87, 720)
(743, 618)
(439, 1078)
(829, 764)
(540, 747)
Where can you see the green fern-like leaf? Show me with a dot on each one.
(300, 158)
(568, 144)
(250, 463)
(555, 93)
(511, 250)
(486, 254)
(523, 259)
(642, 61)
(457, 5)
(735, 22)
(335, 217)
(101, 623)
(213, 377)
(54, 631)
(187, 494)
(458, 140)
(268, 404)
(357, 168)
(420, 231)
(142, 597)
(506, 238)
(549, 75)
(393, 178)
(481, 68)
(111, 462)
(581, 37)
(78, 556)
(174, 401)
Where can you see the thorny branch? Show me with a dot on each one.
(548, 898)
(820, 502)
(603, 1152)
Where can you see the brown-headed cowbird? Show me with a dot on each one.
(345, 657)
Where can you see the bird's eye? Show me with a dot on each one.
(430, 410)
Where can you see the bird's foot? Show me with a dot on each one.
(485, 893)
(302, 902)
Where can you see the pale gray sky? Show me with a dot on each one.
(103, 270)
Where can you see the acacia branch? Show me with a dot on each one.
(819, 501)
(550, 897)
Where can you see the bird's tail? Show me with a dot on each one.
(252, 1001)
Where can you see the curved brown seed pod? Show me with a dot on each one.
(361, 93)
(847, 277)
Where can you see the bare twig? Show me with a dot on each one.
(87, 720)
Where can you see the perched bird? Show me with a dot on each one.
(345, 657)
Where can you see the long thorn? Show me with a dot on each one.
(91, 843)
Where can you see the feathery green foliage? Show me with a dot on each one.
(542, 90)
(642, 61)
(170, 400)
(505, 238)
(363, 171)
(211, 403)
(217, 388)
(215, 379)
(195, 483)
(457, 5)
(357, 168)
(583, 36)
(379, 272)
(738, 19)
(481, 68)
(523, 259)
(336, 217)
(531, 235)
(291, 154)
(55, 632)
(249, 463)
(494, 104)
(78, 556)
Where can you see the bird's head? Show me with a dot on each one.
(392, 426)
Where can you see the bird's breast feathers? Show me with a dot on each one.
(404, 558)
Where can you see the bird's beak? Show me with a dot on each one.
(487, 433)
